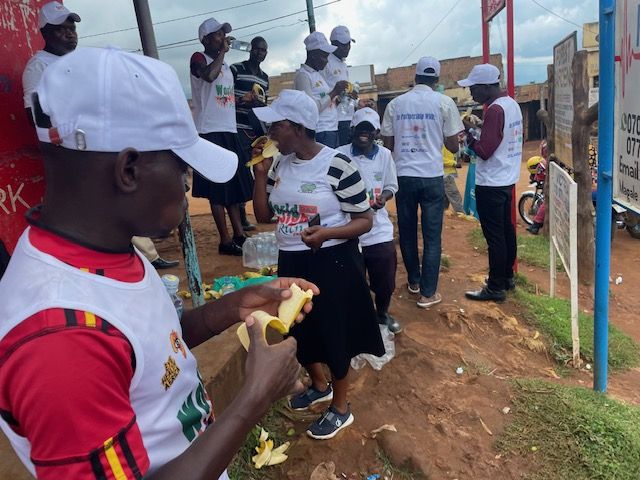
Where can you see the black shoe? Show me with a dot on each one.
(230, 249)
(240, 240)
(392, 324)
(160, 263)
(510, 283)
(248, 227)
(534, 228)
(487, 295)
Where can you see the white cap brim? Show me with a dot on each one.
(466, 83)
(328, 48)
(268, 115)
(210, 160)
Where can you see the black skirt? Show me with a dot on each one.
(237, 190)
(343, 321)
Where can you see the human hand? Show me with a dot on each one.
(379, 202)
(268, 296)
(314, 237)
(226, 46)
(272, 371)
(339, 87)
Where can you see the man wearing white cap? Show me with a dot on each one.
(378, 171)
(497, 171)
(214, 110)
(337, 70)
(58, 28)
(97, 376)
(309, 79)
(415, 126)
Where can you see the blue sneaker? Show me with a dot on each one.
(329, 424)
(309, 397)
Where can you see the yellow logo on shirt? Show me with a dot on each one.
(171, 371)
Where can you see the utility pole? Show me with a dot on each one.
(145, 27)
(310, 15)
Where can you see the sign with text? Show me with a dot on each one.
(563, 54)
(563, 231)
(626, 155)
(492, 8)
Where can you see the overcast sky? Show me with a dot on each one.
(388, 33)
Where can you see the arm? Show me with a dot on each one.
(452, 125)
(208, 73)
(264, 180)
(491, 134)
(386, 129)
(390, 186)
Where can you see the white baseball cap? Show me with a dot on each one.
(484, 74)
(366, 115)
(211, 25)
(317, 41)
(341, 34)
(106, 100)
(55, 13)
(293, 105)
(428, 67)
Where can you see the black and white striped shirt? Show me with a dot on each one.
(243, 83)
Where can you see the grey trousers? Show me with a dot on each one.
(451, 193)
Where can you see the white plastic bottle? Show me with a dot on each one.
(171, 283)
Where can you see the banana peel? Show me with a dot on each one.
(266, 454)
(287, 313)
(260, 93)
(269, 150)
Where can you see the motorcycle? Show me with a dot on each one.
(530, 201)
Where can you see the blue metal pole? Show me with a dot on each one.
(606, 124)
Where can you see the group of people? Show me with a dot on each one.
(97, 378)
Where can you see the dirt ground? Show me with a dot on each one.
(446, 423)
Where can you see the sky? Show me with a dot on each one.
(388, 33)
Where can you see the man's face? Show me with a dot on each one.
(363, 136)
(343, 49)
(215, 41)
(258, 52)
(317, 59)
(61, 39)
(480, 93)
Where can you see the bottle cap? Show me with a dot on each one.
(170, 282)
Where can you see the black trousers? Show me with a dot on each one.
(381, 262)
(494, 210)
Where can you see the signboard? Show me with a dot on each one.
(626, 155)
(563, 54)
(21, 172)
(563, 231)
(492, 8)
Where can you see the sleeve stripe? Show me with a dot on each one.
(114, 461)
(70, 317)
(128, 454)
(354, 200)
(349, 182)
(96, 466)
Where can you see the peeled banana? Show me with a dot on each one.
(269, 149)
(260, 93)
(287, 313)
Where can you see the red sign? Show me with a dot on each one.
(21, 172)
(491, 8)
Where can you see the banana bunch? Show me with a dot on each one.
(349, 88)
(209, 293)
(259, 92)
(267, 455)
(248, 275)
(287, 313)
(269, 149)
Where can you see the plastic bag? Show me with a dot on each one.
(377, 362)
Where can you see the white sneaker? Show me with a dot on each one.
(424, 302)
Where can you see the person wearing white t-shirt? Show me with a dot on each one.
(499, 151)
(337, 70)
(214, 111)
(378, 171)
(58, 28)
(309, 79)
(415, 127)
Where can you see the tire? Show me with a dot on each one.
(528, 206)
(634, 231)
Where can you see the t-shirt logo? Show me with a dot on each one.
(195, 413)
(225, 96)
(176, 344)
(171, 371)
(293, 219)
(308, 188)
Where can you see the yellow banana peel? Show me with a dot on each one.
(287, 313)
(184, 294)
(266, 454)
(251, 275)
(259, 91)
(269, 150)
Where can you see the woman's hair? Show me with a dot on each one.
(307, 131)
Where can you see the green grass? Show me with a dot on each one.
(532, 249)
(552, 316)
(398, 472)
(572, 433)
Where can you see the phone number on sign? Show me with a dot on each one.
(630, 124)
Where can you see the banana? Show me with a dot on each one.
(260, 93)
(349, 88)
(251, 275)
(266, 454)
(184, 294)
(258, 140)
(269, 149)
(287, 313)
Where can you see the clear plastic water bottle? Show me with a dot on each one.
(262, 250)
(239, 45)
(273, 249)
(171, 283)
(250, 253)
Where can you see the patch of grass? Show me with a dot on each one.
(241, 468)
(532, 249)
(553, 317)
(572, 433)
(398, 472)
(445, 261)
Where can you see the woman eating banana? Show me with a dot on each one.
(322, 208)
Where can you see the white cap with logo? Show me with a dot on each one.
(484, 74)
(317, 41)
(293, 105)
(366, 115)
(428, 67)
(54, 13)
(341, 34)
(106, 100)
(211, 25)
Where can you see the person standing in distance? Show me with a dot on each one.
(415, 127)
(499, 151)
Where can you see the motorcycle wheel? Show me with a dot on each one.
(634, 231)
(528, 207)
